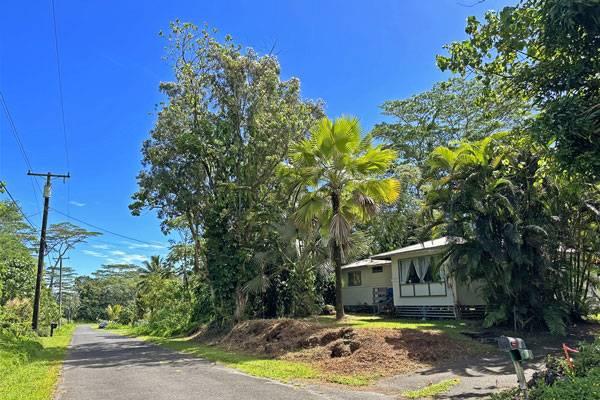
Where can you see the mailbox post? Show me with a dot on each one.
(53, 326)
(518, 353)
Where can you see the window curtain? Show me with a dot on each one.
(405, 270)
(422, 265)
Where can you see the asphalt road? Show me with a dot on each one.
(105, 366)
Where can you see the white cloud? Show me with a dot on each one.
(144, 246)
(76, 203)
(101, 246)
(122, 257)
(125, 258)
(94, 253)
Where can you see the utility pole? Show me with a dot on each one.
(60, 259)
(40, 267)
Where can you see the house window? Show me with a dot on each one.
(413, 277)
(376, 270)
(354, 278)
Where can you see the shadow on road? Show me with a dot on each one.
(115, 351)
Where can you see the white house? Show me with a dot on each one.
(420, 285)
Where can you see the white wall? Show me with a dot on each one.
(363, 294)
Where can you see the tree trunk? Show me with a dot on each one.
(337, 261)
(197, 250)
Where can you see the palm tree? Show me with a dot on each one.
(337, 177)
(156, 268)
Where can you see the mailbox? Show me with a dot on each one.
(507, 343)
(53, 326)
(518, 351)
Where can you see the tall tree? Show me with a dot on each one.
(337, 175)
(61, 238)
(448, 112)
(211, 157)
(545, 50)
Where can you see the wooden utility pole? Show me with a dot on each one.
(40, 267)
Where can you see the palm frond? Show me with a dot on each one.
(311, 206)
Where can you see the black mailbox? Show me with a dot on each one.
(53, 326)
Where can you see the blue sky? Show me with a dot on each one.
(352, 54)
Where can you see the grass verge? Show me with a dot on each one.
(432, 390)
(29, 367)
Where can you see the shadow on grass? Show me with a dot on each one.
(27, 350)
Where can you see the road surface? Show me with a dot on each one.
(103, 366)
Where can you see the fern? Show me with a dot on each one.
(555, 317)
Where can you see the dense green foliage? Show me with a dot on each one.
(545, 50)
(270, 198)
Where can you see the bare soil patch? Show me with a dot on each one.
(346, 350)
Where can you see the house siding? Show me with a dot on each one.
(363, 294)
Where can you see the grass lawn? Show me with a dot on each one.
(29, 367)
(450, 327)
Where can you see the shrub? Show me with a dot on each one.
(571, 388)
(15, 317)
(588, 358)
(127, 315)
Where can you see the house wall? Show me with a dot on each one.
(363, 294)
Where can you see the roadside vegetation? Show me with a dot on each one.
(30, 365)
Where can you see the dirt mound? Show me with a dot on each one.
(382, 352)
(277, 337)
(346, 350)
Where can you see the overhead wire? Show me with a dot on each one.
(3, 185)
(61, 101)
(21, 147)
(102, 229)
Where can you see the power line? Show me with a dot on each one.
(18, 206)
(61, 99)
(15, 133)
(102, 229)
(60, 85)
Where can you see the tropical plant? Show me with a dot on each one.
(114, 311)
(336, 175)
(482, 193)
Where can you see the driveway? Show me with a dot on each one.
(104, 366)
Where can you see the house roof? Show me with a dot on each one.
(428, 245)
(367, 262)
